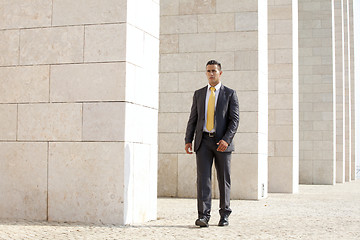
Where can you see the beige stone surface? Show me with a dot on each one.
(171, 143)
(246, 60)
(168, 82)
(236, 6)
(24, 14)
(219, 22)
(246, 21)
(330, 211)
(103, 121)
(199, 42)
(24, 84)
(178, 62)
(169, 43)
(235, 41)
(8, 120)
(92, 190)
(175, 102)
(50, 122)
(52, 45)
(23, 181)
(67, 12)
(105, 43)
(169, 7)
(178, 24)
(186, 175)
(197, 6)
(9, 47)
(88, 82)
(167, 175)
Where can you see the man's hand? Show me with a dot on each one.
(188, 148)
(222, 146)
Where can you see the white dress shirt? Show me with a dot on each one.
(217, 90)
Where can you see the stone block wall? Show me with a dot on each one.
(317, 95)
(283, 97)
(234, 33)
(79, 110)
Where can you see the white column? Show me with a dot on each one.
(356, 14)
(283, 97)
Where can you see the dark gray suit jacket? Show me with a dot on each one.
(226, 117)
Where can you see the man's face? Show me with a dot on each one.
(213, 74)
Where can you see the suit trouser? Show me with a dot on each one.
(204, 160)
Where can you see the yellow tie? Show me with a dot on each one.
(211, 110)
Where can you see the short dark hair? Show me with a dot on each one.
(214, 62)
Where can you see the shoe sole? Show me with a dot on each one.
(201, 224)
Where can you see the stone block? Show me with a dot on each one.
(283, 26)
(236, 6)
(246, 143)
(142, 86)
(281, 101)
(236, 41)
(25, 14)
(103, 121)
(283, 56)
(197, 6)
(220, 22)
(200, 42)
(145, 17)
(281, 175)
(169, 43)
(280, 41)
(241, 80)
(246, 21)
(8, 120)
(246, 60)
(176, 102)
(191, 81)
(168, 175)
(169, 7)
(50, 122)
(284, 148)
(9, 47)
(225, 58)
(168, 122)
(178, 24)
(105, 43)
(249, 97)
(140, 124)
(88, 82)
(183, 62)
(280, 12)
(244, 180)
(27, 84)
(324, 172)
(281, 133)
(171, 143)
(92, 191)
(168, 82)
(284, 117)
(67, 12)
(52, 45)
(141, 186)
(187, 175)
(23, 181)
(248, 122)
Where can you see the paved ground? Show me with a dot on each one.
(317, 212)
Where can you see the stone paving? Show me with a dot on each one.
(317, 212)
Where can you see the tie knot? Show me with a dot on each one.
(212, 89)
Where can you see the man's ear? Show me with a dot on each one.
(220, 73)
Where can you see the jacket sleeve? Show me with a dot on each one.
(191, 125)
(233, 118)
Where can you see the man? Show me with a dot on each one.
(214, 119)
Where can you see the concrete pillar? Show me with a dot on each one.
(347, 90)
(340, 91)
(283, 97)
(235, 33)
(79, 92)
(356, 15)
(352, 87)
(317, 95)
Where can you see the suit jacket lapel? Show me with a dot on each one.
(202, 99)
(221, 98)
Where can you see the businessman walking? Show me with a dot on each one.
(214, 119)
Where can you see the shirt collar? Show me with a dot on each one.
(217, 87)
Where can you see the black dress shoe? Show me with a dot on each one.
(224, 221)
(202, 222)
